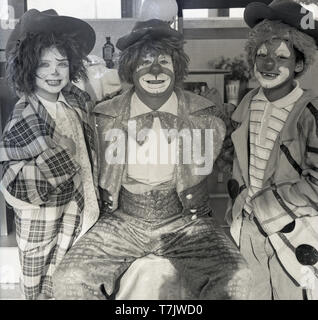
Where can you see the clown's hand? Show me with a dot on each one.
(106, 199)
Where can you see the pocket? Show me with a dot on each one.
(271, 211)
(291, 195)
(297, 250)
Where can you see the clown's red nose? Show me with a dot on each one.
(269, 64)
(156, 69)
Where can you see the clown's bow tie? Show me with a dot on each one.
(168, 121)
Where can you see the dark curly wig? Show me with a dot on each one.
(172, 46)
(23, 60)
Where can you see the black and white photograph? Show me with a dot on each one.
(159, 151)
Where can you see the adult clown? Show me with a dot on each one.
(154, 208)
(274, 214)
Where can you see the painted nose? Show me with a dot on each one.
(156, 69)
(269, 64)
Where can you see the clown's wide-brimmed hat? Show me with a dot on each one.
(48, 21)
(154, 27)
(286, 11)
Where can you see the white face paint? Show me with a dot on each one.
(262, 50)
(275, 79)
(155, 82)
(279, 70)
(283, 51)
(52, 74)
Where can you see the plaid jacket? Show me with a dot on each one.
(38, 171)
(35, 168)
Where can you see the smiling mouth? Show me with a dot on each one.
(53, 82)
(269, 75)
(155, 81)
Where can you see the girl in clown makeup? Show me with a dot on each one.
(273, 212)
(47, 148)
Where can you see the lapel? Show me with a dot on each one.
(240, 137)
(116, 107)
(289, 132)
(38, 109)
(118, 110)
(189, 108)
(190, 103)
(119, 107)
(76, 98)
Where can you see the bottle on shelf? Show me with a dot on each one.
(203, 88)
(108, 52)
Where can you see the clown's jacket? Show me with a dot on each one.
(36, 169)
(196, 112)
(287, 206)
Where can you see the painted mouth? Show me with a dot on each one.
(155, 81)
(53, 83)
(269, 75)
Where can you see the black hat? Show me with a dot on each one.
(155, 28)
(49, 21)
(286, 11)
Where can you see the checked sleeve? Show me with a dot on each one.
(43, 179)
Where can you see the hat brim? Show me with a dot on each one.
(256, 12)
(47, 23)
(81, 29)
(155, 33)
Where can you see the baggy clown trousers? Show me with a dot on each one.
(207, 261)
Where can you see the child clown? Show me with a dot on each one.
(274, 191)
(47, 149)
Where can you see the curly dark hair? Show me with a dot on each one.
(23, 60)
(172, 46)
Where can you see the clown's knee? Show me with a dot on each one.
(229, 285)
